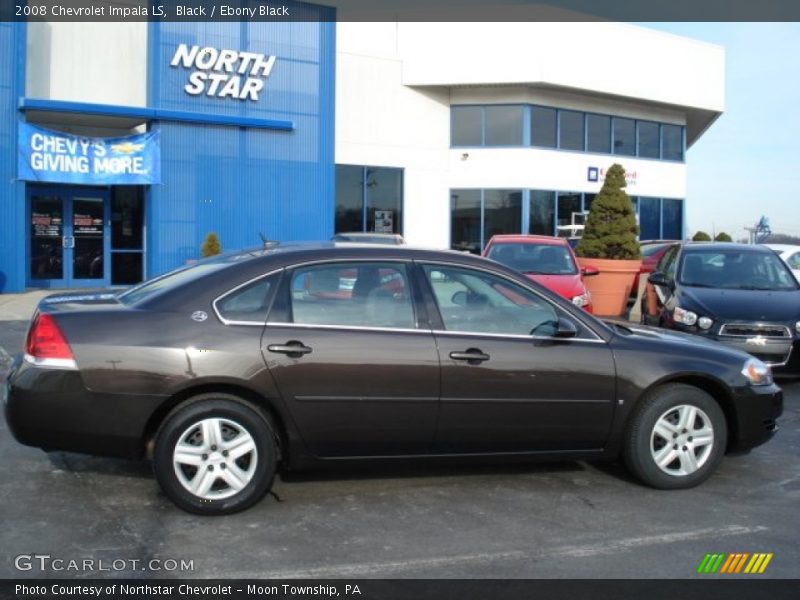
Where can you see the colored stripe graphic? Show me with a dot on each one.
(734, 562)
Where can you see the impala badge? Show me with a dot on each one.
(199, 316)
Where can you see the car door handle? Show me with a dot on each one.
(293, 349)
(473, 356)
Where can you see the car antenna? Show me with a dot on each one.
(266, 242)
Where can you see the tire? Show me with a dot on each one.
(663, 430)
(215, 454)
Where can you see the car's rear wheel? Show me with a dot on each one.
(215, 454)
(677, 437)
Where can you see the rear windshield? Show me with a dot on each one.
(539, 259)
(172, 280)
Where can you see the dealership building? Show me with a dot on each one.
(122, 145)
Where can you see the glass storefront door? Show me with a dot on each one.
(68, 237)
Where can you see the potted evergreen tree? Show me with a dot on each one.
(610, 245)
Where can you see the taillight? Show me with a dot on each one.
(46, 341)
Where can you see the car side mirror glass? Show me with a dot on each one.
(589, 271)
(565, 328)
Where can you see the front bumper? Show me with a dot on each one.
(52, 409)
(757, 409)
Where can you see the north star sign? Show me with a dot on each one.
(223, 73)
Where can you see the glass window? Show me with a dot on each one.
(598, 133)
(503, 126)
(539, 259)
(465, 126)
(570, 130)
(475, 301)
(794, 261)
(542, 209)
(352, 295)
(384, 200)
(465, 220)
(649, 218)
(127, 217)
(248, 304)
(569, 203)
(349, 198)
(735, 270)
(672, 142)
(502, 212)
(624, 136)
(543, 127)
(672, 219)
(648, 139)
(587, 201)
(126, 268)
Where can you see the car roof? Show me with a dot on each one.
(725, 246)
(782, 247)
(529, 239)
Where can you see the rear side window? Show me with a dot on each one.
(794, 260)
(249, 303)
(352, 295)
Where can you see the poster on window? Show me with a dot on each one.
(384, 221)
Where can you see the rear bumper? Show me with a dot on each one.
(757, 412)
(52, 409)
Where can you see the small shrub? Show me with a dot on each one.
(211, 246)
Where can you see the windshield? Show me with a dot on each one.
(650, 249)
(735, 270)
(539, 259)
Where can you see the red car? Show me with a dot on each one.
(547, 260)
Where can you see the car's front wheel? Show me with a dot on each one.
(215, 454)
(677, 437)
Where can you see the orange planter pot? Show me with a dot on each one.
(611, 288)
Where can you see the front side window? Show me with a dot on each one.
(479, 302)
(352, 295)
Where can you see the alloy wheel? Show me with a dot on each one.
(682, 440)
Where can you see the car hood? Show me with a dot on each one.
(567, 286)
(746, 305)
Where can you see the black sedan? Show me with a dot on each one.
(741, 295)
(279, 358)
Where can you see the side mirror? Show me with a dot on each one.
(565, 328)
(589, 271)
(659, 279)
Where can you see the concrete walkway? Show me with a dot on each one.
(19, 307)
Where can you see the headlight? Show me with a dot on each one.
(686, 317)
(756, 372)
(797, 327)
(582, 300)
(704, 323)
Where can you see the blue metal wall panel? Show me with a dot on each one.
(12, 198)
(238, 181)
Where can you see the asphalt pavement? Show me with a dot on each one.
(562, 520)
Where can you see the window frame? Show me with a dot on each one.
(273, 293)
(282, 314)
(438, 326)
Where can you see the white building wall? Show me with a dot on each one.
(100, 63)
(396, 81)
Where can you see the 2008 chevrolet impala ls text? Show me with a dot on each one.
(297, 355)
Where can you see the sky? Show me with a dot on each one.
(747, 164)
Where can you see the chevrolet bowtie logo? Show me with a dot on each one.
(735, 563)
(126, 148)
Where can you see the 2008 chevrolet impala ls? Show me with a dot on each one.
(283, 357)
